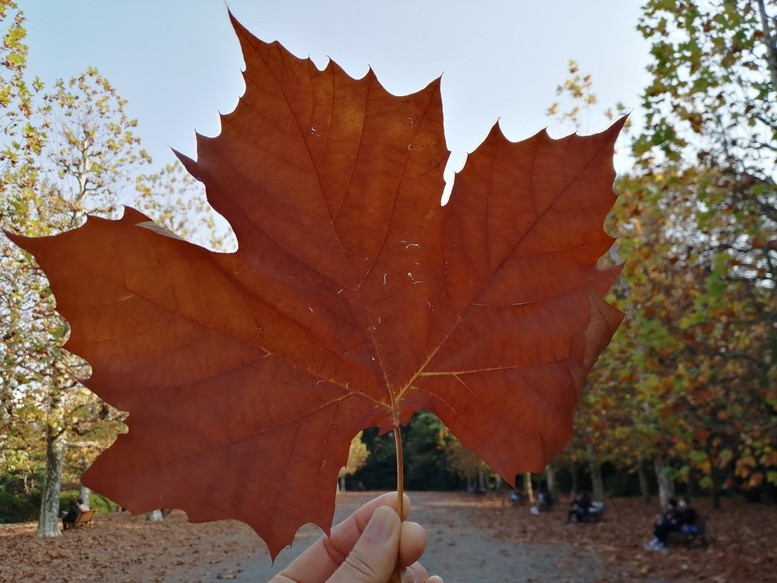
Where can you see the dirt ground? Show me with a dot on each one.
(470, 539)
(742, 541)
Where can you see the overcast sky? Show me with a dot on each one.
(178, 63)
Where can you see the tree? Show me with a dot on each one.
(425, 460)
(574, 108)
(464, 463)
(28, 330)
(66, 152)
(709, 144)
(688, 380)
(86, 147)
(177, 202)
(357, 457)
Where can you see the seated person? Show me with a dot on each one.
(579, 507)
(72, 513)
(686, 516)
(544, 500)
(677, 517)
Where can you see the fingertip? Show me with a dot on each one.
(415, 573)
(374, 556)
(382, 524)
(392, 499)
(412, 543)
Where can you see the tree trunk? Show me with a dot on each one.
(155, 515)
(717, 485)
(528, 486)
(48, 522)
(84, 495)
(550, 479)
(769, 36)
(644, 485)
(714, 496)
(597, 482)
(575, 482)
(665, 485)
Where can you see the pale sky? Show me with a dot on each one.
(178, 62)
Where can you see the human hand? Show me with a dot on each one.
(365, 548)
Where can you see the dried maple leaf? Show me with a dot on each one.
(354, 299)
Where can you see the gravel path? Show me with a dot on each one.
(457, 550)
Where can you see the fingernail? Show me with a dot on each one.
(379, 526)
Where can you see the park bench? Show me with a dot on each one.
(84, 518)
(690, 537)
(595, 512)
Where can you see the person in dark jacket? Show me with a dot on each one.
(72, 513)
(579, 507)
(678, 516)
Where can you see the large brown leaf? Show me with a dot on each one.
(354, 299)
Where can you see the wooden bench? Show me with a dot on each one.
(690, 537)
(84, 518)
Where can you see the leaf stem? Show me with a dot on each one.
(400, 471)
(397, 576)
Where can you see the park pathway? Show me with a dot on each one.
(457, 550)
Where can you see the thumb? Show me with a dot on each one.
(373, 558)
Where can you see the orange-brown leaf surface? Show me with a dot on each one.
(353, 300)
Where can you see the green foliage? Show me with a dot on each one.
(20, 506)
(425, 456)
(425, 463)
(379, 472)
(177, 201)
(101, 503)
(713, 84)
(65, 497)
(16, 508)
(96, 501)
